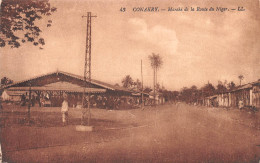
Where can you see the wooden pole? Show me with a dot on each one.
(29, 105)
(154, 86)
(142, 105)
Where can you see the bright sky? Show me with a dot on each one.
(196, 47)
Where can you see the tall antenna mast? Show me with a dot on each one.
(87, 68)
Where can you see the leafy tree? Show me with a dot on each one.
(240, 77)
(221, 88)
(189, 95)
(163, 88)
(184, 94)
(138, 85)
(194, 88)
(6, 81)
(147, 90)
(175, 95)
(127, 81)
(167, 95)
(231, 85)
(194, 93)
(18, 17)
(157, 87)
(208, 90)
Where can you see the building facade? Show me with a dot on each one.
(50, 90)
(248, 94)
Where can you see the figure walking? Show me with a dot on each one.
(64, 112)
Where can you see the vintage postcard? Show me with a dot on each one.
(130, 81)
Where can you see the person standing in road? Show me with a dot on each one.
(64, 111)
(240, 104)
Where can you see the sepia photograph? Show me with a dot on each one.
(129, 81)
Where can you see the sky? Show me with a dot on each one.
(196, 47)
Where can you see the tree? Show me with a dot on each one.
(194, 93)
(19, 21)
(138, 85)
(231, 85)
(156, 63)
(147, 90)
(240, 77)
(6, 81)
(185, 94)
(127, 81)
(194, 87)
(168, 95)
(189, 95)
(208, 90)
(157, 87)
(221, 88)
(175, 95)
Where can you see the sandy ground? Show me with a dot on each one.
(169, 133)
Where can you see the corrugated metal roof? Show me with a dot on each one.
(10, 85)
(97, 82)
(59, 86)
(93, 81)
(92, 90)
(245, 86)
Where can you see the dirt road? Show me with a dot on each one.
(170, 133)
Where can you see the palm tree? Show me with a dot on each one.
(127, 81)
(240, 77)
(156, 63)
(138, 85)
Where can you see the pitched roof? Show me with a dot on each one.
(97, 82)
(245, 86)
(93, 81)
(64, 86)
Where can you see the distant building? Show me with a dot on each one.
(248, 94)
(159, 98)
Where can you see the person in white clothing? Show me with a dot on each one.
(240, 104)
(64, 111)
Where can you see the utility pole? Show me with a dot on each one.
(29, 103)
(142, 85)
(154, 100)
(87, 68)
